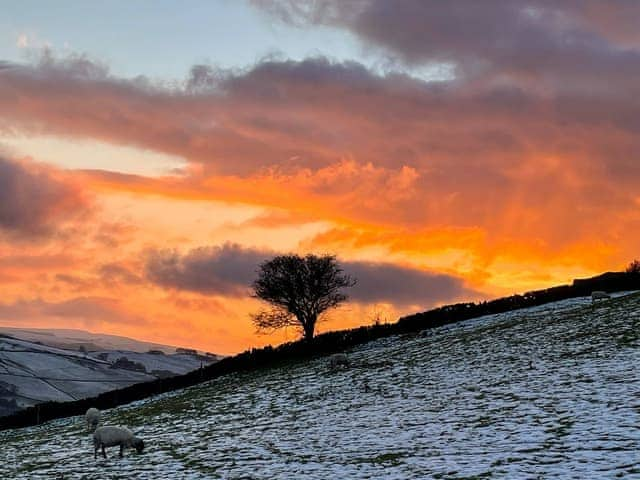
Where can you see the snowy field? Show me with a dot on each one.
(547, 392)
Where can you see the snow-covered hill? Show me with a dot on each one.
(546, 392)
(32, 373)
(73, 339)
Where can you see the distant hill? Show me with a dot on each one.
(74, 339)
(32, 373)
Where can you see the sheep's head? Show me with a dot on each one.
(138, 444)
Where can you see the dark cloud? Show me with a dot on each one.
(33, 201)
(381, 282)
(226, 270)
(542, 40)
(230, 269)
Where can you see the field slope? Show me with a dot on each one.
(546, 392)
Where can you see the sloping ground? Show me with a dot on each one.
(548, 392)
(31, 373)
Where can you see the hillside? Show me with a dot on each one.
(545, 392)
(73, 339)
(32, 373)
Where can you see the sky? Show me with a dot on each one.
(153, 154)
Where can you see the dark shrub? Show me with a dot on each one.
(125, 364)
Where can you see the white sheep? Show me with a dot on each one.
(93, 418)
(339, 360)
(599, 295)
(112, 436)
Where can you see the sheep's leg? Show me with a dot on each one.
(104, 454)
(96, 447)
(121, 449)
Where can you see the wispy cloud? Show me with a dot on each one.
(91, 311)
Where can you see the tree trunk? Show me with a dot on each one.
(309, 326)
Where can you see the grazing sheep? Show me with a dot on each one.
(599, 295)
(339, 360)
(93, 418)
(112, 436)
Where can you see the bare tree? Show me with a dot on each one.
(299, 290)
(634, 267)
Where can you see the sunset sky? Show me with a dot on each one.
(152, 154)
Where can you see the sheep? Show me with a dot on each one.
(339, 360)
(599, 295)
(112, 436)
(93, 418)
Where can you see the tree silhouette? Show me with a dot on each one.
(299, 290)
(634, 267)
